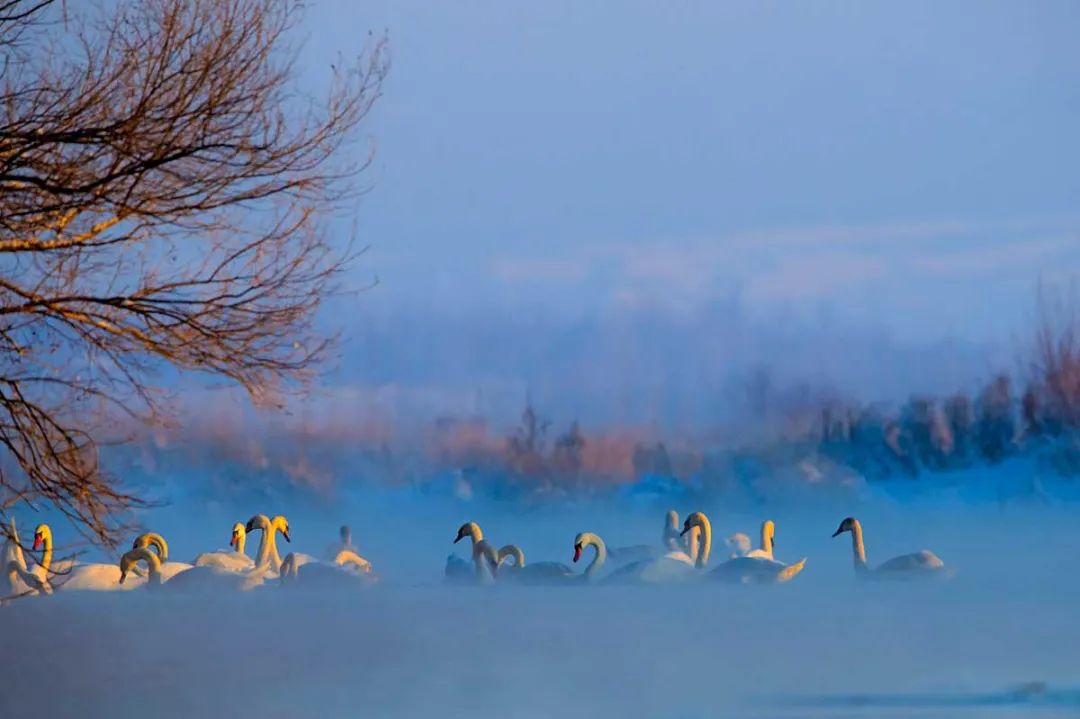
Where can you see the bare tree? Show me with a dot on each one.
(164, 189)
(1055, 361)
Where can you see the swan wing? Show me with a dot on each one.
(323, 575)
(225, 559)
(213, 579)
(914, 562)
(750, 570)
(654, 571)
(171, 569)
(97, 578)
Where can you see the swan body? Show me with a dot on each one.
(746, 570)
(346, 570)
(233, 560)
(756, 570)
(196, 579)
(672, 567)
(458, 570)
(519, 571)
(922, 564)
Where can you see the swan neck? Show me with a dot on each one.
(153, 563)
(46, 548)
(512, 551)
(476, 533)
(267, 549)
(858, 549)
(706, 541)
(766, 539)
(671, 537)
(693, 543)
(241, 542)
(599, 558)
(481, 555)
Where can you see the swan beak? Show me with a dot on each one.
(838, 532)
(232, 540)
(287, 537)
(577, 552)
(249, 527)
(458, 538)
(684, 530)
(37, 542)
(123, 576)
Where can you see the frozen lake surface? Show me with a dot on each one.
(1002, 639)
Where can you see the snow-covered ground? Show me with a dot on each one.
(1002, 639)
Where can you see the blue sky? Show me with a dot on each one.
(904, 171)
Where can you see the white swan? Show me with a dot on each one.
(196, 579)
(17, 580)
(343, 544)
(649, 571)
(519, 571)
(906, 566)
(747, 570)
(485, 559)
(347, 570)
(670, 541)
(233, 560)
(168, 569)
(68, 576)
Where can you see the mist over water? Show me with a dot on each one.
(999, 640)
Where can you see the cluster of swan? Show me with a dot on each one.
(680, 556)
(221, 570)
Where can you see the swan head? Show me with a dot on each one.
(846, 526)
(42, 534)
(132, 558)
(469, 529)
(155, 540)
(239, 531)
(259, 521)
(282, 525)
(694, 519)
(580, 541)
